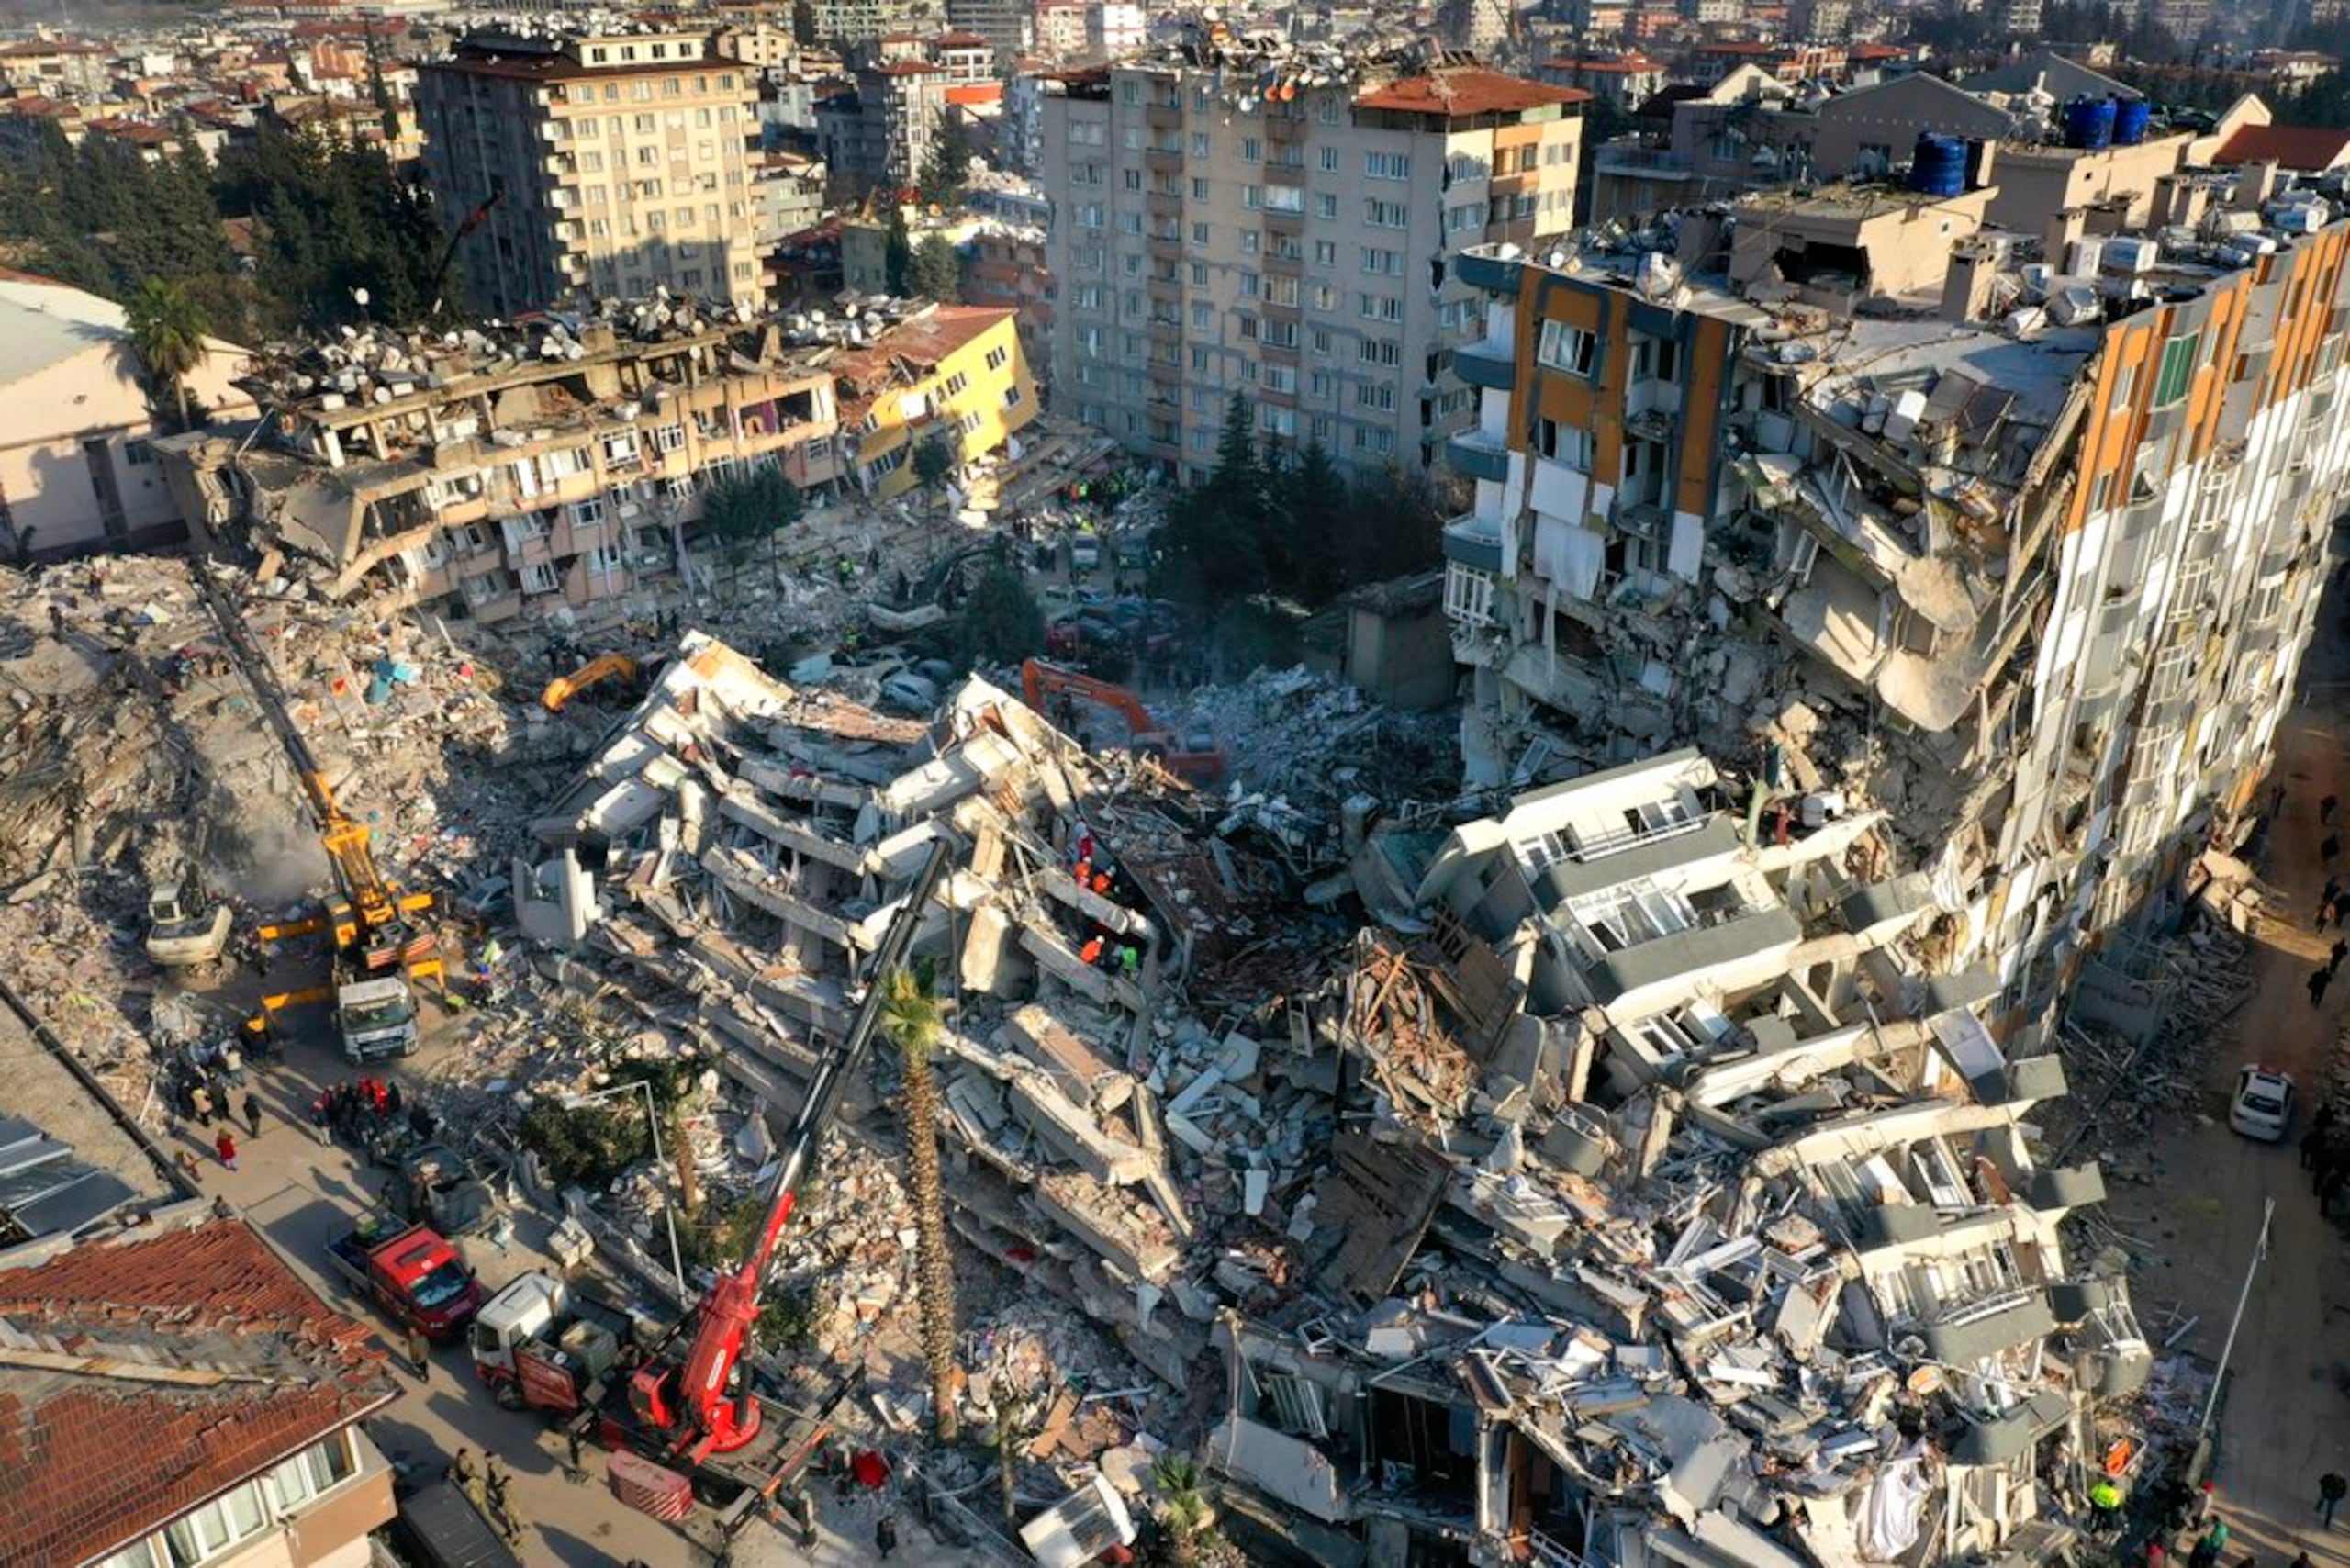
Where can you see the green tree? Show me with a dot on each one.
(1002, 622)
(946, 169)
(750, 506)
(933, 460)
(910, 1014)
(168, 329)
(897, 253)
(937, 270)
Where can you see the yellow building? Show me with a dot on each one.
(955, 371)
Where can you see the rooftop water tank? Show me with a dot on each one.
(1938, 168)
(2088, 123)
(2130, 120)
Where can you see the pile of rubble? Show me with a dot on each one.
(135, 755)
(1634, 1145)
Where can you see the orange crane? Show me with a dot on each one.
(1194, 758)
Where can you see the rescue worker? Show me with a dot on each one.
(2105, 1499)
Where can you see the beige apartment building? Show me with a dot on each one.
(1218, 230)
(619, 162)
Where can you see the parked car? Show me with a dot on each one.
(2262, 1106)
(908, 693)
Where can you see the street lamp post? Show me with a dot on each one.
(2259, 1255)
(653, 1120)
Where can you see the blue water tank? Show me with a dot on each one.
(2088, 123)
(1938, 168)
(2130, 120)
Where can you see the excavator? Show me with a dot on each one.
(694, 1410)
(1194, 758)
(378, 944)
(602, 667)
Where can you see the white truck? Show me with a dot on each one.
(375, 1018)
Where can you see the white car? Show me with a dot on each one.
(2262, 1106)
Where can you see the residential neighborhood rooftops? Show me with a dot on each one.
(1466, 92)
(139, 1378)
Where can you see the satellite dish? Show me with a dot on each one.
(360, 295)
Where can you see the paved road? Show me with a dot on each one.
(2286, 1419)
(301, 1194)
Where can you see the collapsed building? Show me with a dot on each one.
(1632, 1186)
(561, 462)
(2017, 536)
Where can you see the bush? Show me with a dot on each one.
(585, 1145)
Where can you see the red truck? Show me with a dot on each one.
(413, 1274)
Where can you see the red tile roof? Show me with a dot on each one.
(971, 92)
(101, 1448)
(2300, 148)
(922, 345)
(1467, 92)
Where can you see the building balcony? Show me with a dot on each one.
(1476, 455)
(1639, 163)
(1284, 127)
(1485, 268)
(1166, 247)
(1163, 117)
(1162, 162)
(1473, 541)
(1486, 365)
(1163, 204)
(1283, 223)
(1279, 265)
(1164, 288)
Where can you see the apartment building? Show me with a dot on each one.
(1295, 245)
(1009, 25)
(619, 160)
(878, 136)
(528, 470)
(2026, 554)
(845, 23)
(1006, 267)
(956, 374)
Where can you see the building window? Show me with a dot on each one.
(1011, 397)
(2178, 369)
(137, 454)
(589, 513)
(1566, 347)
(996, 358)
(621, 447)
(1329, 160)
(1386, 214)
(954, 384)
(211, 1529)
(1284, 198)
(1325, 205)
(1387, 165)
(1200, 232)
(1252, 150)
(1200, 147)
(668, 438)
(313, 1473)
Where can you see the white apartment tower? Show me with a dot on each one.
(1218, 230)
(617, 161)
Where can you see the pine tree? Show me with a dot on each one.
(897, 253)
(946, 168)
(937, 270)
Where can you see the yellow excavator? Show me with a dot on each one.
(378, 946)
(602, 667)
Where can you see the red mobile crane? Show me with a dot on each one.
(680, 1410)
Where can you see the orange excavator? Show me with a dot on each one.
(602, 667)
(1195, 758)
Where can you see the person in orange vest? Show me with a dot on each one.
(1084, 873)
(1091, 954)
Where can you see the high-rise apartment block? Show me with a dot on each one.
(2016, 538)
(616, 161)
(1212, 237)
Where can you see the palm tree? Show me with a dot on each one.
(168, 331)
(910, 1014)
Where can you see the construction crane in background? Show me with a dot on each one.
(378, 943)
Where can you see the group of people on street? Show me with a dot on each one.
(206, 1085)
(487, 1488)
(350, 1109)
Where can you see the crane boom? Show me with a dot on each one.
(376, 925)
(689, 1399)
